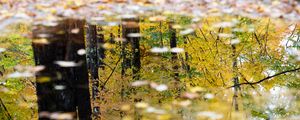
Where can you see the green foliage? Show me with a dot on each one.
(260, 114)
(16, 92)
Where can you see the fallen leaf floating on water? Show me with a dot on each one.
(44, 114)
(237, 30)
(153, 84)
(107, 46)
(75, 31)
(60, 32)
(20, 74)
(41, 41)
(184, 103)
(141, 105)
(158, 87)
(161, 87)
(224, 24)
(187, 31)
(32, 69)
(139, 83)
(43, 79)
(120, 39)
(98, 18)
(22, 16)
(128, 16)
(2, 50)
(209, 96)
(113, 23)
(62, 116)
(196, 89)
(59, 87)
(81, 52)
(125, 107)
(196, 19)
(176, 26)
(44, 35)
(177, 50)
(251, 28)
(67, 63)
(235, 41)
(225, 35)
(134, 35)
(130, 24)
(155, 110)
(189, 95)
(228, 10)
(210, 115)
(49, 23)
(157, 18)
(159, 50)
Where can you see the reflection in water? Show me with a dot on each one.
(185, 80)
(163, 65)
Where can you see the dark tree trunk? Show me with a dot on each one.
(126, 62)
(173, 44)
(235, 78)
(93, 64)
(111, 38)
(124, 59)
(135, 62)
(187, 67)
(131, 26)
(136, 58)
(73, 96)
(91, 46)
(101, 50)
(174, 59)
(123, 67)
